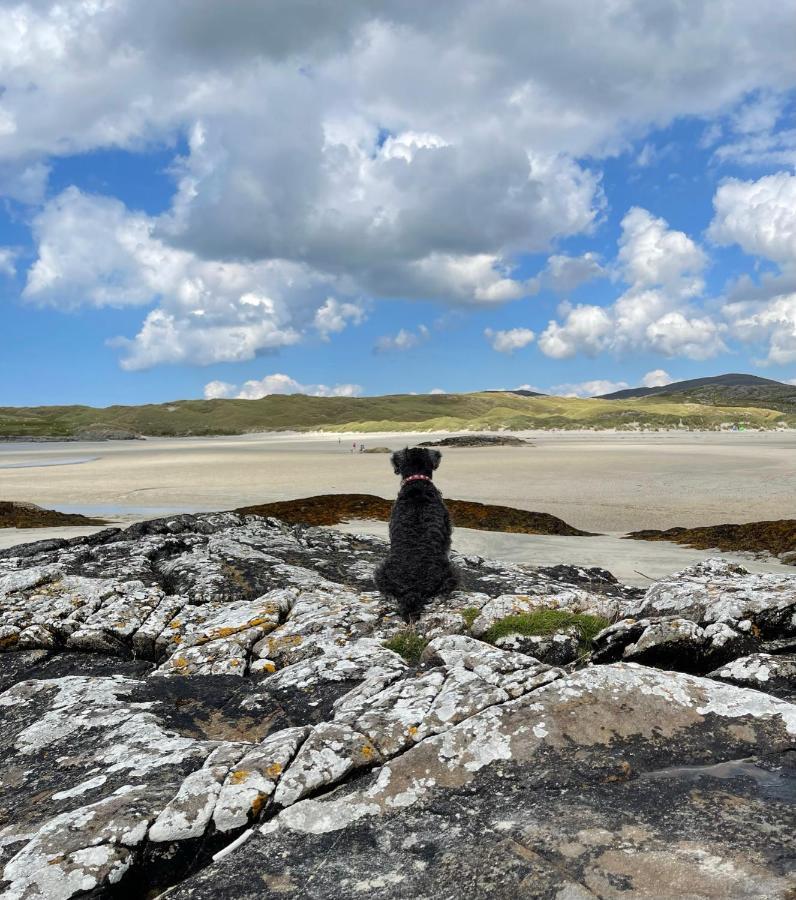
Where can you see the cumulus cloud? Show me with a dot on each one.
(322, 162)
(437, 391)
(656, 378)
(564, 274)
(588, 388)
(663, 268)
(403, 340)
(770, 324)
(93, 251)
(334, 316)
(277, 383)
(760, 217)
(509, 341)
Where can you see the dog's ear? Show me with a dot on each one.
(436, 456)
(397, 460)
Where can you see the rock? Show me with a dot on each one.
(671, 643)
(788, 558)
(599, 784)
(773, 674)
(718, 591)
(218, 685)
(556, 649)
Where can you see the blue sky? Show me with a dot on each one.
(391, 202)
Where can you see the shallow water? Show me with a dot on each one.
(40, 463)
(779, 784)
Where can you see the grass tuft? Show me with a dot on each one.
(470, 614)
(407, 644)
(548, 621)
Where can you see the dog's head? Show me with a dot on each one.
(415, 461)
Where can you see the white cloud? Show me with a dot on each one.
(509, 341)
(216, 390)
(8, 257)
(277, 383)
(322, 160)
(403, 340)
(586, 329)
(333, 316)
(771, 324)
(663, 268)
(760, 216)
(651, 253)
(656, 378)
(588, 388)
(92, 251)
(437, 391)
(564, 274)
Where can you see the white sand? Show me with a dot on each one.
(605, 482)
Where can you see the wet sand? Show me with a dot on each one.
(603, 482)
(596, 482)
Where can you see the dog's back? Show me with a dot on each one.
(417, 567)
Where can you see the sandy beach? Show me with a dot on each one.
(610, 483)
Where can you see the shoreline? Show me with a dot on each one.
(726, 428)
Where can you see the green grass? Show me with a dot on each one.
(407, 644)
(470, 614)
(548, 621)
(437, 412)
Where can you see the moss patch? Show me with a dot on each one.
(775, 536)
(407, 644)
(331, 509)
(546, 622)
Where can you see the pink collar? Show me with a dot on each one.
(415, 478)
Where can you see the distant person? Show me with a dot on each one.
(361, 448)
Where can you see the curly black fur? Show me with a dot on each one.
(417, 567)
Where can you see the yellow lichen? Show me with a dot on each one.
(274, 770)
(238, 776)
(258, 803)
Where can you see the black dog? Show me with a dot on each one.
(417, 567)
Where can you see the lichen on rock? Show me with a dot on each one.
(171, 689)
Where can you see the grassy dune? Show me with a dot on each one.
(444, 412)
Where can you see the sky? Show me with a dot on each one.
(360, 198)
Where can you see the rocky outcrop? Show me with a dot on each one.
(478, 440)
(208, 702)
(776, 537)
(15, 514)
(331, 509)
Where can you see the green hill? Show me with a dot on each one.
(399, 412)
(734, 389)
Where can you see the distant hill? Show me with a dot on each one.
(483, 411)
(520, 392)
(733, 389)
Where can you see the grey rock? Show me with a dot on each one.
(601, 784)
(219, 685)
(773, 674)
